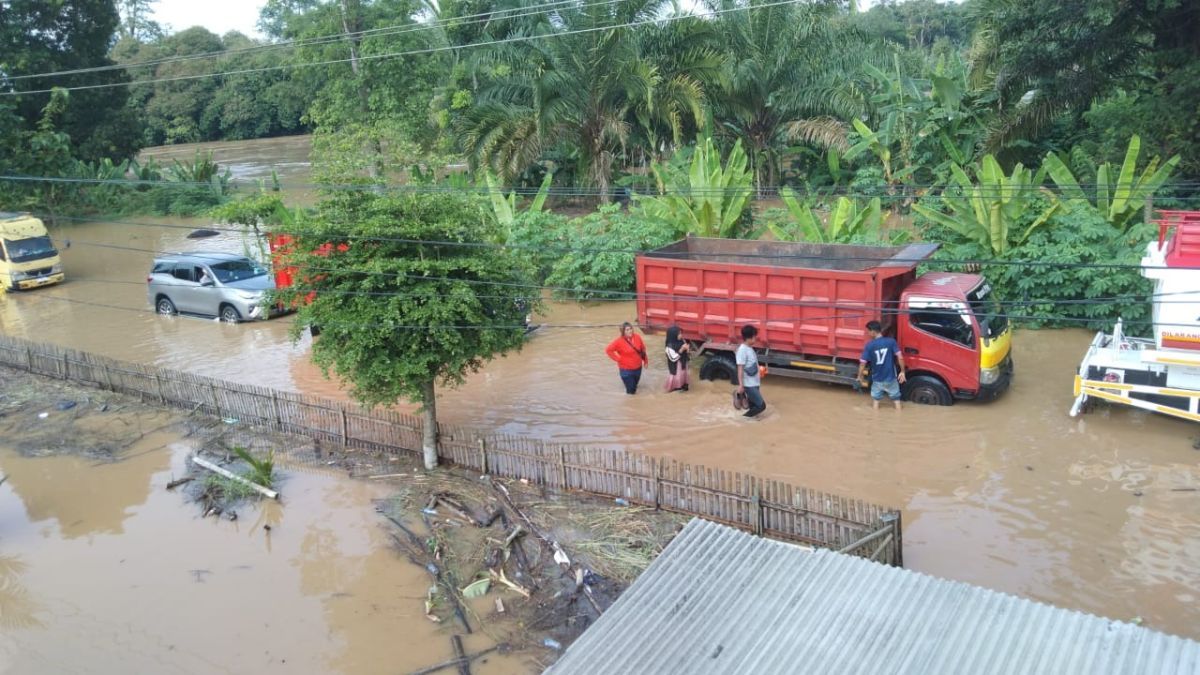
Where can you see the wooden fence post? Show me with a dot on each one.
(757, 513)
(275, 409)
(66, 367)
(483, 460)
(158, 387)
(655, 475)
(345, 428)
(562, 466)
(897, 538)
(107, 376)
(29, 357)
(216, 401)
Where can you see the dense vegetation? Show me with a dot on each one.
(1007, 129)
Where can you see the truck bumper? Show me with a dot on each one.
(35, 282)
(987, 392)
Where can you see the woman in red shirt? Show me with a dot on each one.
(629, 352)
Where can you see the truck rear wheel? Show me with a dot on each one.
(719, 367)
(927, 390)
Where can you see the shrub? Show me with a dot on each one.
(600, 263)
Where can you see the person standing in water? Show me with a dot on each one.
(879, 358)
(678, 353)
(629, 352)
(749, 372)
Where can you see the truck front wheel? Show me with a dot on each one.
(927, 390)
(719, 367)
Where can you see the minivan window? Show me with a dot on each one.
(237, 270)
(183, 273)
(33, 248)
(987, 310)
(945, 324)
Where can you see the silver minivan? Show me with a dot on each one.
(225, 285)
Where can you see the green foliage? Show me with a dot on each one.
(541, 236)
(1120, 195)
(1075, 235)
(602, 247)
(709, 200)
(396, 316)
(258, 215)
(847, 221)
(990, 209)
(261, 471)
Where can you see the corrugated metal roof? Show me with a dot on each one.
(718, 600)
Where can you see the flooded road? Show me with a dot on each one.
(1100, 514)
(104, 571)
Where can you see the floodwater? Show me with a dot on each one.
(1100, 514)
(102, 571)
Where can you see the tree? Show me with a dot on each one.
(789, 80)
(136, 23)
(39, 37)
(396, 317)
(584, 90)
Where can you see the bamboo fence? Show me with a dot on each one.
(764, 507)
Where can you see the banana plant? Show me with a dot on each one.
(846, 220)
(987, 210)
(1118, 198)
(708, 200)
(505, 206)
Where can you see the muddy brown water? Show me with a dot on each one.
(1100, 514)
(102, 570)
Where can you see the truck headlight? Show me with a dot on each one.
(56, 269)
(989, 375)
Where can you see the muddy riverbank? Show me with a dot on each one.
(96, 554)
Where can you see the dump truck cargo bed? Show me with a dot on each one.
(805, 298)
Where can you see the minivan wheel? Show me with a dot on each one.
(927, 390)
(164, 305)
(229, 314)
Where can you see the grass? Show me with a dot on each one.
(229, 489)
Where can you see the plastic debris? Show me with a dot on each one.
(65, 405)
(621, 502)
(43, 415)
(560, 557)
(429, 511)
(230, 420)
(552, 644)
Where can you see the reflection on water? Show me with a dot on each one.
(1012, 495)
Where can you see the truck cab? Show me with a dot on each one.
(955, 338)
(28, 258)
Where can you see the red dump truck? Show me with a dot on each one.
(811, 304)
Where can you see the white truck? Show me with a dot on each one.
(1162, 374)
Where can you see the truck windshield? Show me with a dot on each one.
(237, 270)
(987, 310)
(33, 248)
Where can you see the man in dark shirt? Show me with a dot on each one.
(880, 357)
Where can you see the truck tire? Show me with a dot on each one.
(719, 367)
(927, 390)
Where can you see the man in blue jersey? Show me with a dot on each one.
(880, 357)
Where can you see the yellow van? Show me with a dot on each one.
(28, 258)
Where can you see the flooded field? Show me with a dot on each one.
(1100, 514)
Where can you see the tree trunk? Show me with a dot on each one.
(429, 442)
(375, 168)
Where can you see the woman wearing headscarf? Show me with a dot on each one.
(677, 360)
(629, 352)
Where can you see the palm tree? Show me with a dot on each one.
(790, 79)
(583, 90)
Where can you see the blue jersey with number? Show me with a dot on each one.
(880, 355)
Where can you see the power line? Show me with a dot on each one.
(766, 191)
(591, 326)
(651, 252)
(394, 29)
(415, 52)
(629, 296)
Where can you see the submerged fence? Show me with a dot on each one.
(765, 507)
